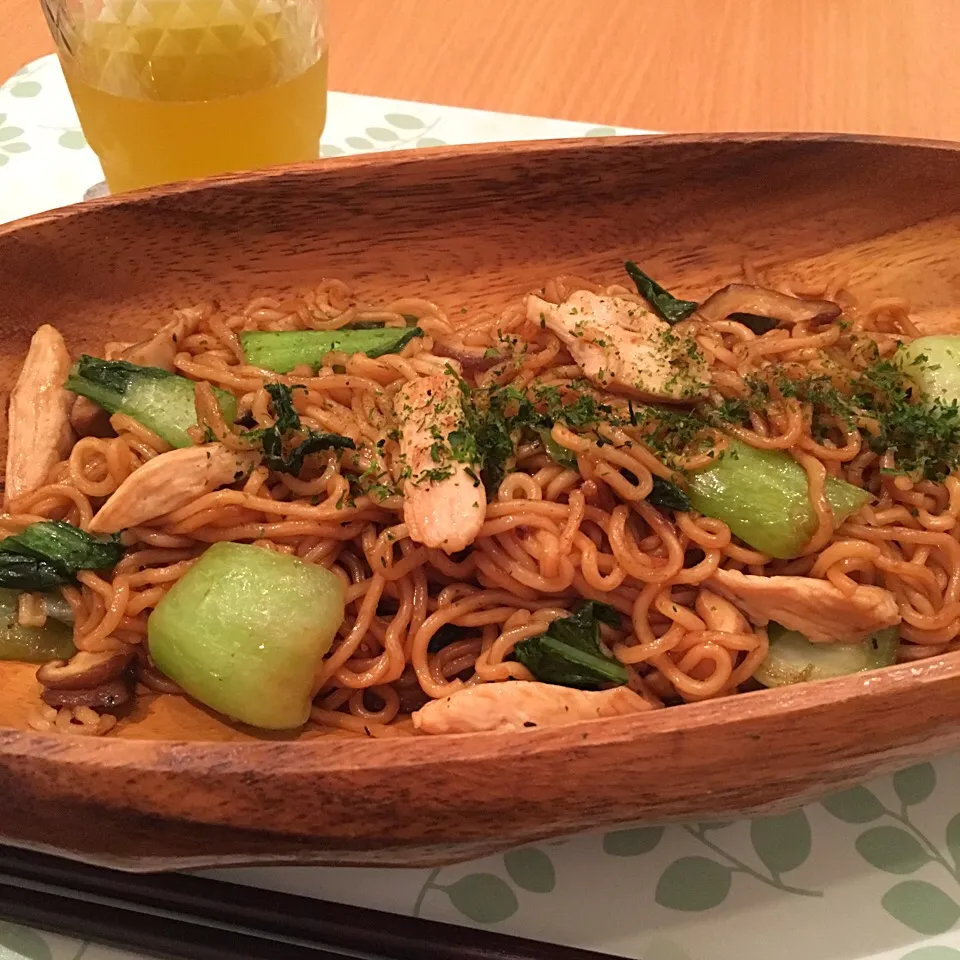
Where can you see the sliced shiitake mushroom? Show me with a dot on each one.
(89, 419)
(146, 672)
(472, 359)
(410, 693)
(160, 349)
(741, 300)
(106, 696)
(84, 671)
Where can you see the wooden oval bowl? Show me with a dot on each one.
(176, 787)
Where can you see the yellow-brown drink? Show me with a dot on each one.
(175, 89)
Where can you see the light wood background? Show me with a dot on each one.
(873, 66)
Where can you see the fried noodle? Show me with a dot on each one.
(552, 534)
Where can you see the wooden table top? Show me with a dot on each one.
(866, 66)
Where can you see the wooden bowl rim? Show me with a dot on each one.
(437, 155)
(318, 756)
(322, 755)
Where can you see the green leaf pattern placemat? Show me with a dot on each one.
(869, 874)
(873, 872)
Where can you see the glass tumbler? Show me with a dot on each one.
(179, 89)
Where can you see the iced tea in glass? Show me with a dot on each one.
(177, 89)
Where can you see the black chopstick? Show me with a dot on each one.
(193, 918)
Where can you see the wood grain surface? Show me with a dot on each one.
(872, 66)
(176, 787)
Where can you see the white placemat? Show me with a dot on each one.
(870, 874)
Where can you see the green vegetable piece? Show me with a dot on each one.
(18, 572)
(792, 658)
(409, 319)
(933, 364)
(163, 402)
(286, 457)
(284, 412)
(66, 546)
(665, 303)
(49, 553)
(292, 462)
(560, 455)
(668, 496)
(244, 630)
(283, 350)
(763, 496)
(569, 653)
(52, 641)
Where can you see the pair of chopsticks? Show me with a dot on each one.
(192, 918)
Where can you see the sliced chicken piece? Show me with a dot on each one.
(743, 298)
(623, 347)
(444, 502)
(522, 704)
(815, 608)
(169, 482)
(158, 351)
(720, 614)
(161, 349)
(38, 426)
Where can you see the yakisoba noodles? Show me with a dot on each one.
(593, 503)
